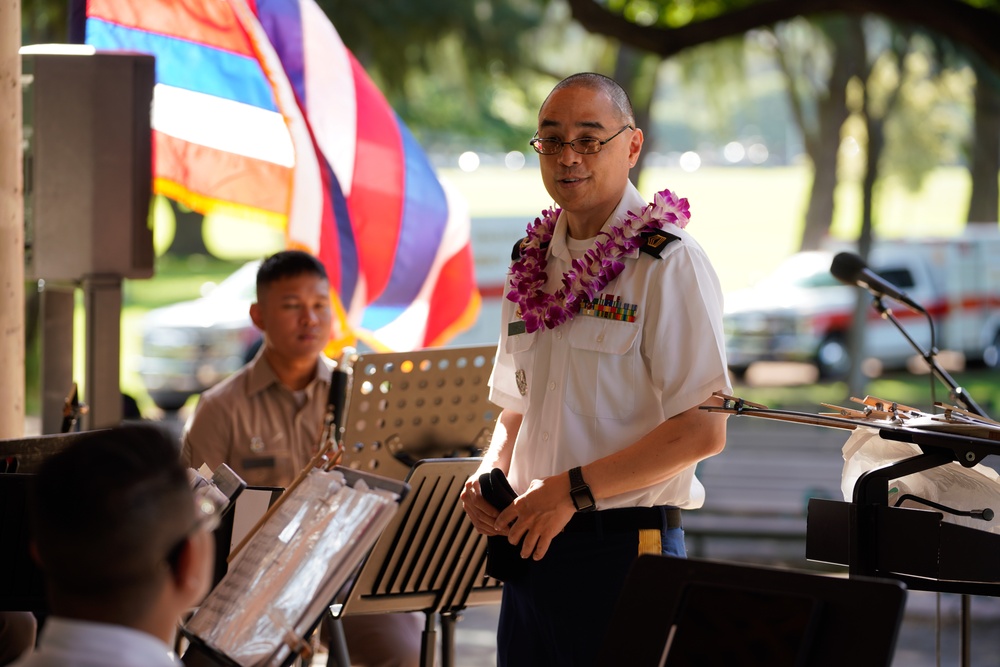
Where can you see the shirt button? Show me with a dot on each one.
(552, 386)
(545, 436)
(559, 335)
(600, 338)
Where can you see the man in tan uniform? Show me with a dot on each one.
(266, 420)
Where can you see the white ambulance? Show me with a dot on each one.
(800, 312)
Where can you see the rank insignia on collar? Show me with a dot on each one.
(522, 381)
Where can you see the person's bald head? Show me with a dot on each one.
(593, 81)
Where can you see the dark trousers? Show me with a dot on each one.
(558, 612)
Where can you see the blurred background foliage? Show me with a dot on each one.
(908, 86)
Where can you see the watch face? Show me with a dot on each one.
(583, 499)
(579, 492)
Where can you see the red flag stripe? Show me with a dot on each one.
(208, 23)
(222, 175)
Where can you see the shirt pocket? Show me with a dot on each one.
(519, 343)
(268, 467)
(602, 368)
(512, 377)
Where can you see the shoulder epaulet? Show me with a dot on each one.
(654, 241)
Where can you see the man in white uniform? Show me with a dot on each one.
(612, 340)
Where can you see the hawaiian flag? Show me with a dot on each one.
(261, 112)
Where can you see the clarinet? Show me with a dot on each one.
(331, 441)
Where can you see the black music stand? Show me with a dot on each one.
(690, 612)
(23, 586)
(912, 545)
(23, 589)
(202, 654)
(25, 455)
(429, 558)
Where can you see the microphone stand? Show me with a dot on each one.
(957, 393)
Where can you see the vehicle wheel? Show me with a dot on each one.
(832, 358)
(169, 401)
(991, 355)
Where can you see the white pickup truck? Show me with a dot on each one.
(800, 312)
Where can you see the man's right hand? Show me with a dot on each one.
(482, 514)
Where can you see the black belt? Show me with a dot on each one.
(625, 518)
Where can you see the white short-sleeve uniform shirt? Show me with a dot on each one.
(593, 386)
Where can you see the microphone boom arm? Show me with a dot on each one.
(957, 393)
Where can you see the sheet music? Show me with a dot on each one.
(951, 484)
(292, 568)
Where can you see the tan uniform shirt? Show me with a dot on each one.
(264, 431)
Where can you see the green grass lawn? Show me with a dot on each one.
(746, 219)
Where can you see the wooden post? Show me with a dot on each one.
(11, 226)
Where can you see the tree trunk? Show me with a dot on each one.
(985, 151)
(875, 128)
(636, 72)
(873, 150)
(819, 212)
(848, 41)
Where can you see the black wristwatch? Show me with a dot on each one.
(579, 492)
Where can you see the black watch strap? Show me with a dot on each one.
(579, 492)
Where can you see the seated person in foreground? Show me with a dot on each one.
(123, 547)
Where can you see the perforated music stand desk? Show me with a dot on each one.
(408, 406)
(429, 558)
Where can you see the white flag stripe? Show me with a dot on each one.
(331, 105)
(305, 216)
(222, 124)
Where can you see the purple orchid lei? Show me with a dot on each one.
(591, 273)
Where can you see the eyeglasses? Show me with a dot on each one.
(584, 145)
(209, 504)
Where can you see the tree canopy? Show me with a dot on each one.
(452, 70)
(667, 27)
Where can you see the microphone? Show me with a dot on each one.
(851, 269)
(985, 514)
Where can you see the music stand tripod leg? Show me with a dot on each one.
(448, 620)
(338, 655)
(427, 642)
